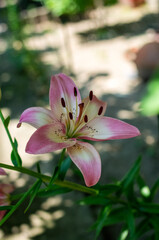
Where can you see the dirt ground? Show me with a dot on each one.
(94, 50)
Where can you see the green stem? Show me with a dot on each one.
(46, 179)
(61, 157)
(10, 139)
(56, 172)
(17, 204)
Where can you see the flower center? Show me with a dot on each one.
(75, 121)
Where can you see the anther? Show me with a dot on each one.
(100, 110)
(91, 95)
(70, 115)
(19, 125)
(75, 92)
(81, 105)
(63, 102)
(86, 118)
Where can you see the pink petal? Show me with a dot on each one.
(104, 128)
(93, 108)
(48, 138)
(2, 172)
(87, 159)
(37, 117)
(6, 188)
(63, 87)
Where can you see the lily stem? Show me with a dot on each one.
(46, 179)
(10, 139)
(61, 157)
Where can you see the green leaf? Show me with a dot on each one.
(13, 157)
(130, 222)
(6, 121)
(154, 189)
(155, 223)
(108, 189)
(142, 228)
(52, 191)
(64, 167)
(5, 208)
(34, 193)
(149, 207)
(99, 224)
(117, 215)
(131, 175)
(13, 209)
(95, 200)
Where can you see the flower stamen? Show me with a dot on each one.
(75, 92)
(19, 125)
(100, 110)
(63, 102)
(90, 95)
(71, 115)
(86, 118)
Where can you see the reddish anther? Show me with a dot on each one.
(70, 115)
(75, 92)
(91, 95)
(63, 102)
(100, 110)
(19, 125)
(86, 118)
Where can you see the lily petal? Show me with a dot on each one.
(48, 138)
(63, 87)
(94, 106)
(37, 116)
(87, 159)
(6, 188)
(104, 128)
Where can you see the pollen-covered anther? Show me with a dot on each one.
(75, 92)
(70, 115)
(81, 106)
(19, 125)
(63, 102)
(91, 95)
(100, 110)
(86, 118)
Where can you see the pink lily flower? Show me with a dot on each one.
(70, 120)
(5, 189)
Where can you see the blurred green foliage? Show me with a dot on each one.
(72, 7)
(150, 102)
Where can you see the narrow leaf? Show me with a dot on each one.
(17, 204)
(52, 191)
(34, 193)
(142, 228)
(13, 157)
(5, 207)
(101, 220)
(130, 222)
(64, 167)
(130, 176)
(95, 200)
(6, 121)
(149, 207)
(155, 223)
